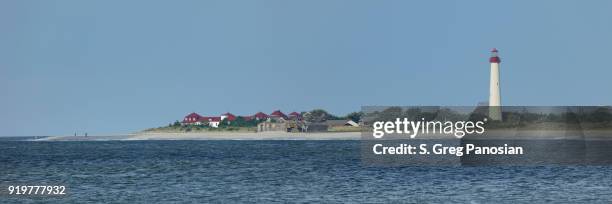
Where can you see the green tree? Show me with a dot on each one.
(316, 115)
(224, 123)
(355, 116)
(239, 122)
(600, 115)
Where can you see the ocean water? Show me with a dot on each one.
(274, 171)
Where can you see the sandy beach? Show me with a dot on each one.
(214, 136)
(493, 134)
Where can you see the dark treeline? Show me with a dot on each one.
(524, 115)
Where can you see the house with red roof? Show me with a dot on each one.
(260, 116)
(277, 114)
(192, 119)
(214, 121)
(228, 116)
(295, 116)
(197, 119)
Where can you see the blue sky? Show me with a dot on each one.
(108, 67)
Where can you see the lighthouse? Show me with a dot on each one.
(495, 112)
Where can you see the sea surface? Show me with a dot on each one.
(274, 171)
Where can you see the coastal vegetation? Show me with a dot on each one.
(177, 127)
(242, 124)
(320, 115)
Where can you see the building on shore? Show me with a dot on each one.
(295, 116)
(197, 119)
(260, 116)
(278, 121)
(268, 126)
(214, 121)
(276, 116)
(230, 117)
(193, 119)
(339, 123)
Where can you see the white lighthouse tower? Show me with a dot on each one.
(495, 112)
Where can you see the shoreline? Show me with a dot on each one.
(213, 136)
(279, 135)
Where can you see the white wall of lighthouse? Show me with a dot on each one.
(495, 112)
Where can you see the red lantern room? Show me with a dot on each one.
(494, 57)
